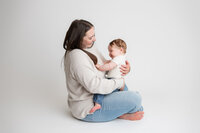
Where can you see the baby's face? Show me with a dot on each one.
(115, 51)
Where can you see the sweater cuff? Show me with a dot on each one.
(119, 83)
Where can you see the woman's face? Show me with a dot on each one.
(88, 39)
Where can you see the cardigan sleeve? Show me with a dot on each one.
(85, 73)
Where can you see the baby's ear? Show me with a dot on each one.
(121, 49)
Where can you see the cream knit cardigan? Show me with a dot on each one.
(83, 80)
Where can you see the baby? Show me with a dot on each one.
(117, 51)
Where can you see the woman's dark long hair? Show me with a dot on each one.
(74, 37)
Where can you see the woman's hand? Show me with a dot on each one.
(121, 89)
(125, 69)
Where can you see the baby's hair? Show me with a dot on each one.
(119, 43)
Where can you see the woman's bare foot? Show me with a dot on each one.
(96, 107)
(134, 116)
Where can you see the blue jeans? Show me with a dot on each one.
(116, 104)
(98, 98)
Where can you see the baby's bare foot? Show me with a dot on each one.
(96, 107)
(134, 116)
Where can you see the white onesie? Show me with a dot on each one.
(115, 73)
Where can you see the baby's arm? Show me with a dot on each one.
(107, 66)
(107, 61)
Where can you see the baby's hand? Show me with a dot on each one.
(97, 66)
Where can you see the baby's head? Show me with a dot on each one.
(117, 47)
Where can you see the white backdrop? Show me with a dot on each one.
(163, 38)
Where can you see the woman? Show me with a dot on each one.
(84, 80)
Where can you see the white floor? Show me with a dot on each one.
(45, 111)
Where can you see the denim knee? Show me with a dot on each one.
(136, 100)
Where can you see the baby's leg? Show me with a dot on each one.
(98, 101)
(96, 107)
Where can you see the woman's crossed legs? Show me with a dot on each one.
(120, 104)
